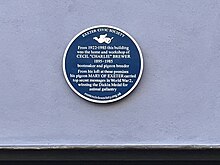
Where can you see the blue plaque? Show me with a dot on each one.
(102, 64)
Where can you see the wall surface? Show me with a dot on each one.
(176, 102)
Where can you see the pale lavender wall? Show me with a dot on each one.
(176, 102)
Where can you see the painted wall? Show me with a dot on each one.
(176, 102)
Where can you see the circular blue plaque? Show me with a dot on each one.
(102, 64)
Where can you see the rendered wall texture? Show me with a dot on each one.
(176, 102)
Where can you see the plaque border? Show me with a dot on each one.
(103, 101)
